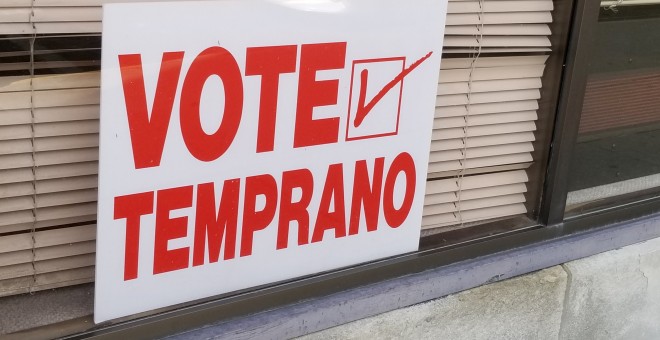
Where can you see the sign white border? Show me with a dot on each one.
(385, 37)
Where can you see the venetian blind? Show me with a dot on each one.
(486, 111)
(48, 160)
(49, 105)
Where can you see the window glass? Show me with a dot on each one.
(618, 149)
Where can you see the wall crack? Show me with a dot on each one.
(565, 303)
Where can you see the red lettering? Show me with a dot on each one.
(402, 163)
(148, 134)
(167, 229)
(132, 207)
(254, 220)
(290, 211)
(366, 196)
(216, 227)
(313, 93)
(212, 61)
(333, 191)
(269, 62)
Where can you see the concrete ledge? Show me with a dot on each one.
(613, 295)
(369, 302)
(526, 307)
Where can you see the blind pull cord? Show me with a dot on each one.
(473, 65)
(34, 163)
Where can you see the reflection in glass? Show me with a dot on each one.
(618, 149)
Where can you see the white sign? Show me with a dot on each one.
(249, 142)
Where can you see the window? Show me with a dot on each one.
(618, 143)
(494, 122)
(487, 103)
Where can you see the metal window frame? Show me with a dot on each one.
(565, 136)
(569, 109)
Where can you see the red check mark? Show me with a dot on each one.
(363, 110)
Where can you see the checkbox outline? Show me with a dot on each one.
(350, 97)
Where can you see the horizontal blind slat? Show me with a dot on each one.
(66, 170)
(487, 119)
(499, 6)
(482, 151)
(476, 182)
(495, 41)
(459, 143)
(477, 109)
(466, 63)
(470, 194)
(66, 198)
(484, 130)
(487, 97)
(481, 170)
(435, 221)
(489, 85)
(46, 281)
(47, 253)
(491, 73)
(477, 203)
(520, 29)
(480, 162)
